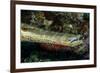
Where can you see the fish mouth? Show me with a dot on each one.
(75, 41)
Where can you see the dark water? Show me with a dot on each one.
(32, 52)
